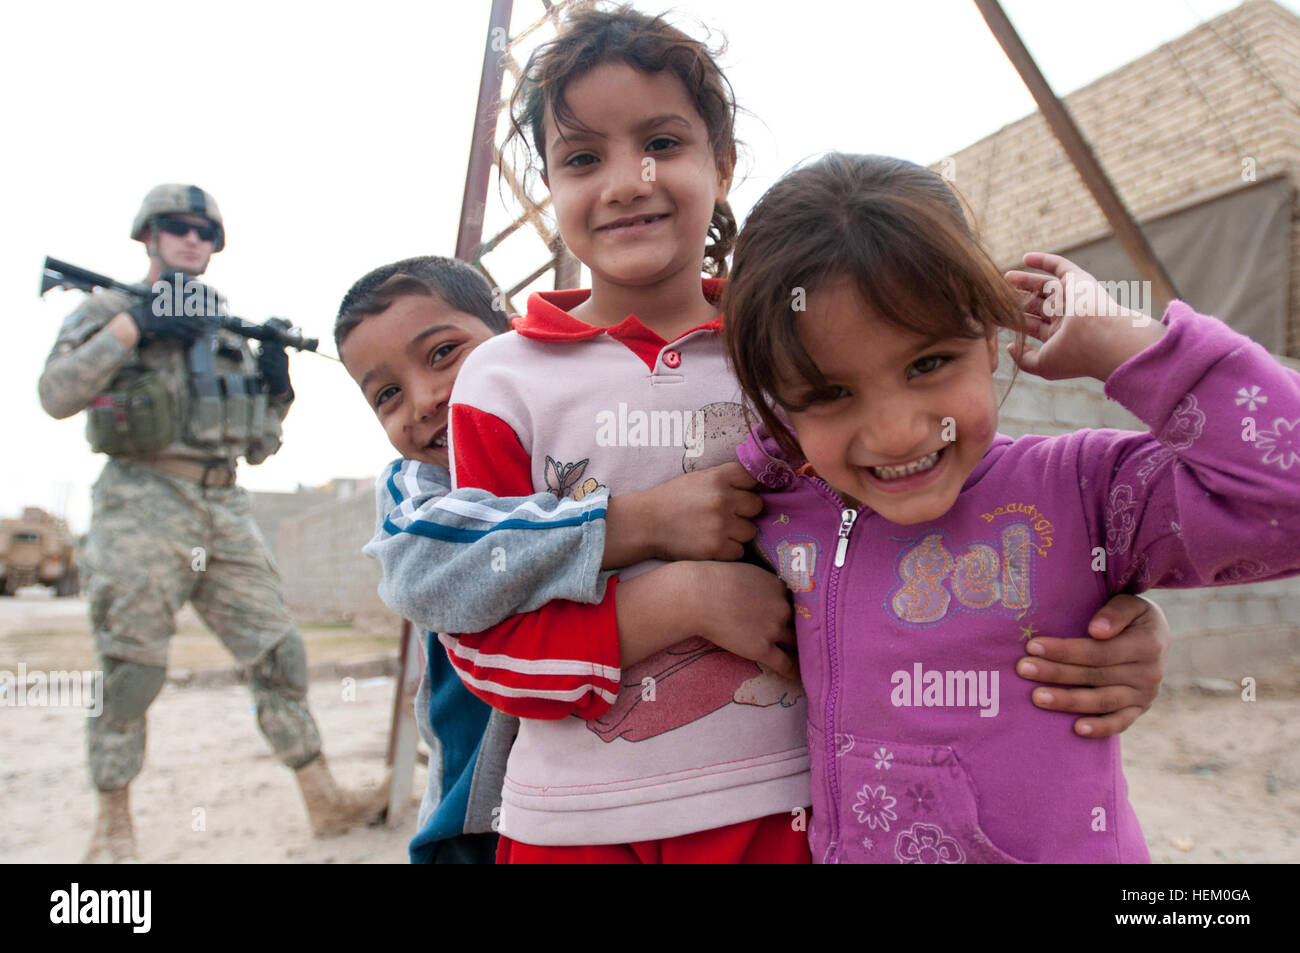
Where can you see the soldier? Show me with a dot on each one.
(174, 404)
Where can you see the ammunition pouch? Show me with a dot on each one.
(137, 417)
(227, 408)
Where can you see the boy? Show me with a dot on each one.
(403, 331)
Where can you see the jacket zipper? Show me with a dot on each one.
(847, 519)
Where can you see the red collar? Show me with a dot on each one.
(548, 319)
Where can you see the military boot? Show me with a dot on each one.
(331, 809)
(114, 839)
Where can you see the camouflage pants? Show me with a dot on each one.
(156, 542)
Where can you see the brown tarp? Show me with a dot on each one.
(1228, 257)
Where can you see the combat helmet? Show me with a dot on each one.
(177, 199)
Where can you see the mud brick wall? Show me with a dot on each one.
(1168, 127)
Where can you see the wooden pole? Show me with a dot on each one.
(1127, 231)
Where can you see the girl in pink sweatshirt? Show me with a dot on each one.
(923, 547)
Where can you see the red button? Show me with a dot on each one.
(672, 358)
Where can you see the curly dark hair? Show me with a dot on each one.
(591, 36)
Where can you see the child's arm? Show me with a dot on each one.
(1212, 495)
(565, 657)
(462, 560)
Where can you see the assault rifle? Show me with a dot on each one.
(59, 274)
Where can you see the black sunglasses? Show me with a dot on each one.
(180, 228)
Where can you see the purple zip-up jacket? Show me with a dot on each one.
(925, 745)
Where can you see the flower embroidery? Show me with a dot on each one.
(922, 798)
(1119, 518)
(883, 757)
(1242, 571)
(1252, 397)
(1154, 460)
(1281, 445)
(1186, 423)
(776, 475)
(927, 844)
(868, 843)
(874, 807)
(843, 744)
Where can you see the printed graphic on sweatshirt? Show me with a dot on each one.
(721, 428)
(562, 479)
(684, 683)
(797, 563)
(985, 576)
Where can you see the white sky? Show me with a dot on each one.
(335, 135)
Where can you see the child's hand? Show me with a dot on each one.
(746, 610)
(700, 516)
(1124, 662)
(1085, 333)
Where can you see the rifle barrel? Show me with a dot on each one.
(61, 274)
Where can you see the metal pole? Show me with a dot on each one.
(1127, 231)
(483, 145)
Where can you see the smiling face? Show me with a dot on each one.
(878, 433)
(405, 360)
(634, 185)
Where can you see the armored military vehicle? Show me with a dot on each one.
(38, 549)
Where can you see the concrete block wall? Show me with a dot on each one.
(1168, 127)
(326, 577)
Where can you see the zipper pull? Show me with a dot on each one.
(846, 526)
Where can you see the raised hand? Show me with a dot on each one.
(1083, 330)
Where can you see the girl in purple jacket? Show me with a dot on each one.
(923, 548)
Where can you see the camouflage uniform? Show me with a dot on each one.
(158, 540)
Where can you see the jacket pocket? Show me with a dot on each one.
(908, 804)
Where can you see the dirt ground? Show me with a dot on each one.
(1213, 779)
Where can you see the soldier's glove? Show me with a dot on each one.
(273, 363)
(162, 315)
